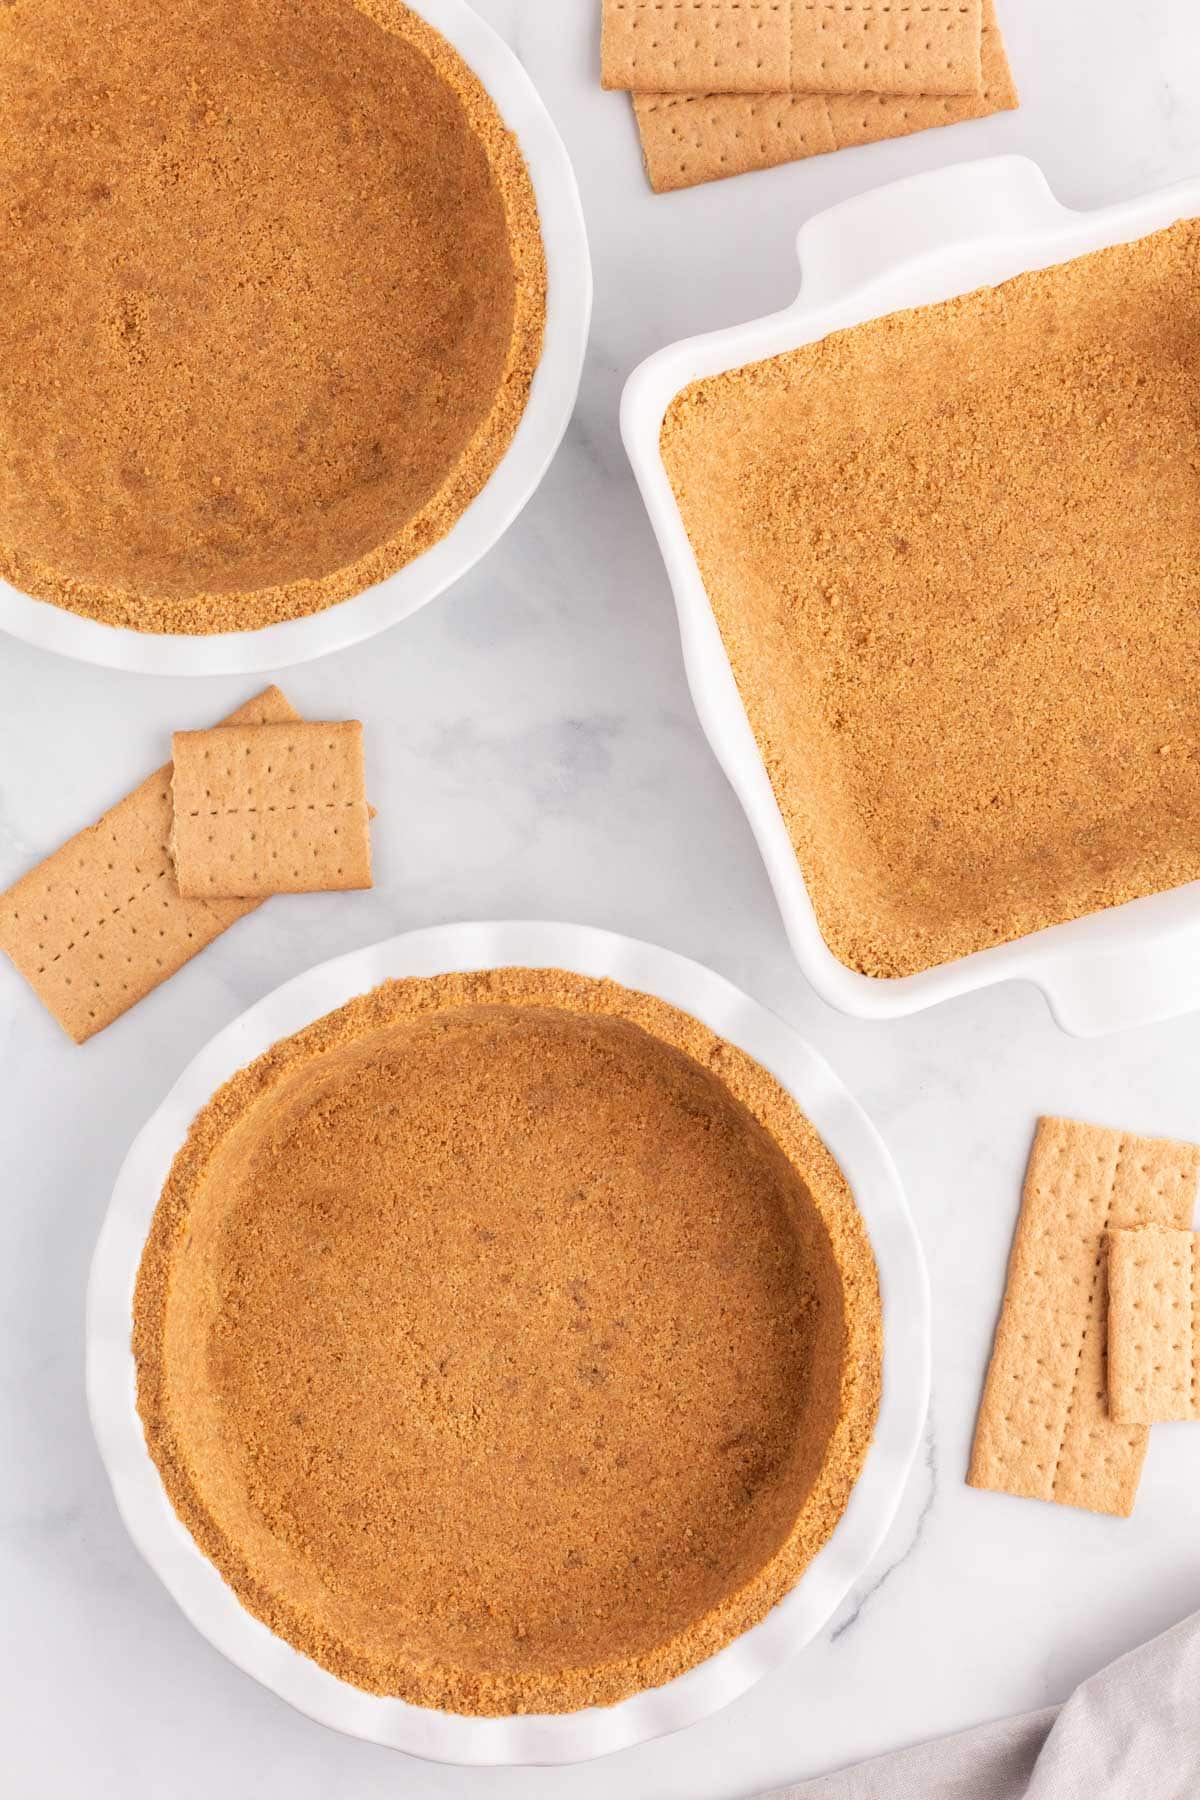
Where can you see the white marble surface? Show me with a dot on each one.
(533, 752)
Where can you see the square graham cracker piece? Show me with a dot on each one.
(100, 923)
(1153, 1325)
(280, 809)
(692, 138)
(1044, 1430)
(792, 46)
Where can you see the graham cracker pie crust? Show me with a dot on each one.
(954, 556)
(508, 1341)
(272, 295)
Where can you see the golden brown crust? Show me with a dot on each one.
(273, 323)
(709, 1218)
(953, 559)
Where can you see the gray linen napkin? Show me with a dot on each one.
(1130, 1733)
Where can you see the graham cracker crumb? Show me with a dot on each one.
(508, 1341)
(271, 303)
(953, 558)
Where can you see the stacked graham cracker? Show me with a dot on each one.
(265, 803)
(1099, 1335)
(723, 86)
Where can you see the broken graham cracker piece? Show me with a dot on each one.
(792, 46)
(100, 923)
(580, 1317)
(688, 139)
(692, 138)
(1044, 1430)
(280, 809)
(1153, 1318)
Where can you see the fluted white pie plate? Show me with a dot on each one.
(512, 482)
(571, 1737)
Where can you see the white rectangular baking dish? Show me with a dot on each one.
(913, 243)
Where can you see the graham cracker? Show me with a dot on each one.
(1153, 1347)
(792, 46)
(280, 809)
(100, 923)
(1044, 1430)
(691, 138)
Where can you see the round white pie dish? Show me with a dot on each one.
(570, 1737)
(517, 475)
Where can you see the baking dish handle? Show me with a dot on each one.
(1138, 985)
(850, 245)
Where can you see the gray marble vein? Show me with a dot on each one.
(896, 1559)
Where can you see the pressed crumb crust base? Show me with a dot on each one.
(509, 1342)
(272, 296)
(954, 555)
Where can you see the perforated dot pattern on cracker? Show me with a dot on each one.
(100, 923)
(276, 810)
(792, 46)
(1044, 1429)
(1153, 1325)
(692, 138)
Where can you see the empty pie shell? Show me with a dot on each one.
(509, 1341)
(271, 302)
